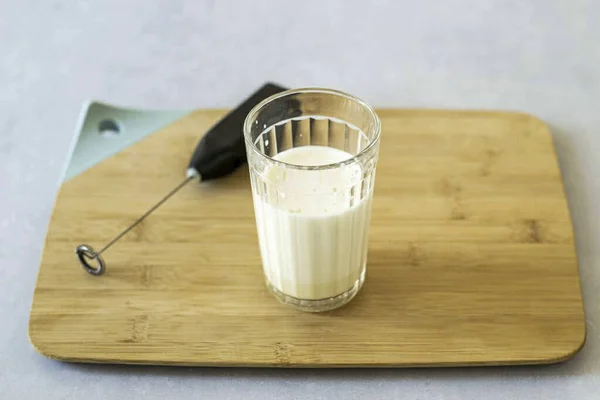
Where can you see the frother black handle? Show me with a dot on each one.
(222, 150)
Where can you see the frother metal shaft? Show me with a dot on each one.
(86, 253)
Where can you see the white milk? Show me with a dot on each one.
(313, 230)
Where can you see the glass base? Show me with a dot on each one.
(319, 305)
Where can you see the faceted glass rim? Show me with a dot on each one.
(251, 117)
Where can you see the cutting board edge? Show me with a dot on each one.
(61, 357)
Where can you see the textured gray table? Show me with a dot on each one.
(542, 57)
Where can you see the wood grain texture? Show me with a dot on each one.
(471, 258)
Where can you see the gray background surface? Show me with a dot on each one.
(538, 56)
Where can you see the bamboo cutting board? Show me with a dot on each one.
(471, 258)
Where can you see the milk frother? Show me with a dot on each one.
(220, 152)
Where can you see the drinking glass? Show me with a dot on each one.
(312, 155)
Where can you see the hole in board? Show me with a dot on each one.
(109, 127)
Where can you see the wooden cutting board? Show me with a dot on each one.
(471, 258)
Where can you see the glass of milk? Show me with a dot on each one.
(312, 155)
